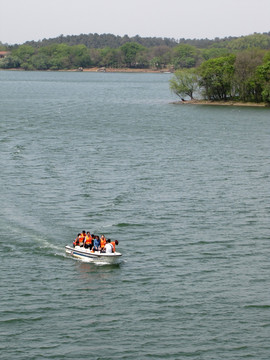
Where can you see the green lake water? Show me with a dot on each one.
(185, 190)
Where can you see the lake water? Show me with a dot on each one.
(185, 190)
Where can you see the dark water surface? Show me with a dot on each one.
(186, 191)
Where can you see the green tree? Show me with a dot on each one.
(142, 61)
(159, 56)
(247, 83)
(130, 52)
(263, 73)
(24, 53)
(110, 57)
(156, 62)
(79, 56)
(185, 56)
(216, 78)
(184, 83)
(213, 52)
(40, 61)
(95, 55)
(60, 62)
(59, 56)
(261, 41)
(266, 57)
(61, 50)
(10, 62)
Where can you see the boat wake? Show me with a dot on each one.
(29, 240)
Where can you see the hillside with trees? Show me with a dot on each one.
(223, 69)
(107, 50)
(102, 41)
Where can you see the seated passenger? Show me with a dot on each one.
(76, 241)
(81, 238)
(108, 247)
(115, 242)
(96, 244)
(102, 242)
(88, 241)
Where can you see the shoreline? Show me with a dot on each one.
(220, 103)
(122, 70)
(101, 70)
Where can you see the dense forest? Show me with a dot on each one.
(107, 50)
(101, 41)
(228, 68)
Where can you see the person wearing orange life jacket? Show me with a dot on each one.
(88, 241)
(102, 241)
(76, 241)
(81, 238)
(115, 242)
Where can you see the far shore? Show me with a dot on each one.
(103, 70)
(124, 70)
(219, 103)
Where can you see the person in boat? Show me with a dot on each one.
(108, 248)
(96, 244)
(81, 238)
(88, 241)
(102, 242)
(115, 242)
(76, 241)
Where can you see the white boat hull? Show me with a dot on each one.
(97, 256)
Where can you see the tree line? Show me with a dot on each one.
(136, 52)
(130, 55)
(100, 41)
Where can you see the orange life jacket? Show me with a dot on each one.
(81, 239)
(102, 242)
(113, 244)
(88, 240)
